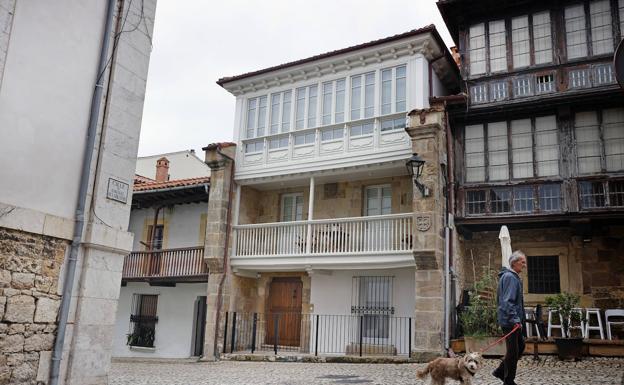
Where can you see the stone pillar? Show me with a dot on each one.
(219, 277)
(428, 140)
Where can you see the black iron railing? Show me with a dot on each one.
(318, 334)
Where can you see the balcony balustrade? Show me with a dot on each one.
(381, 234)
(182, 263)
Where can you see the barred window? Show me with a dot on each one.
(545, 83)
(578, 78)
(543, 274)
(372, 297)
(499, 90)
(478, 93)
(522, 87)
(143, 320)
(603, 74)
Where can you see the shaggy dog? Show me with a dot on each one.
(460, 369)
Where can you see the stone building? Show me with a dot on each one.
(72, 84)
(316, 254)
(537, 138)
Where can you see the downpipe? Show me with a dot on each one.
(79, 220)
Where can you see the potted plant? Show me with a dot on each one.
(568, 347)
(479, 318)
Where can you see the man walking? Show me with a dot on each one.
(510, 314)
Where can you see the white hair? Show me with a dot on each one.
(515, 256)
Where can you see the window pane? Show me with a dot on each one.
(275, 113)
(300, 109)
(543, 274)
(262, 115)
(601, 30)
(497, 151)
(522, 86)
(475, 202)
(340, 101)
(499, 90)
(576, 36)
(523, 199)
(587, 135)
(546, 146)
(550, 197)
(386, 91)
(616, 193)
(498, 47)
(328, 90)
(475, 153)
(520, 41)
(369, 95)
(312, 96)
(251, 118)
(356, 96)
(400, 89)
(592, 194)
(287, 96)
(476, 53)
(613, 126)
(500, 200)
(542, 39)
(478, 93)
(522, 148)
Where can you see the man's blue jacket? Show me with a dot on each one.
(510, 299)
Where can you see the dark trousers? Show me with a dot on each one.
(515, 348)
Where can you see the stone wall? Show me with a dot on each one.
(29, 301)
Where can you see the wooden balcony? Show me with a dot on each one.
(306, 244)
(173, 265)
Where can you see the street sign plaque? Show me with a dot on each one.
(618, 64)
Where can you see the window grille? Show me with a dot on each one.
(372, 297)
(475, 202)
(522, 87)
(601, 29)
(603, 74)
(592, 194)
(576, 35)
(545, 83)
(578, 78)
(478, 93)
(499, 90)
(143, 320)
(543, 274)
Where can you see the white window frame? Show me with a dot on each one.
(394, 90)
(297, 216)
(361, 105)
(379, 188)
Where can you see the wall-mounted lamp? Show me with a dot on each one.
(415, 165)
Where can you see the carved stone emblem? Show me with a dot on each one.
(423, 222)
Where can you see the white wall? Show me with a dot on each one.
(438, 87)
(182, 165)
(183, 224)
(175, 311)
(45, 97)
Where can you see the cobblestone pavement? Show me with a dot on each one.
(549, 371)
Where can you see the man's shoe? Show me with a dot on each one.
(498, 373)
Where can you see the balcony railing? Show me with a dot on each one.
(358, 235)
(187, 262)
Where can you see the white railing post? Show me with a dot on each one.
(310, 217)
(236, 213)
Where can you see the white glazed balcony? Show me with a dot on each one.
(358, 243)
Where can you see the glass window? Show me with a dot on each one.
(262, 109)
(362, 129)
(587, 132)
(300, 108)
(576, 35)
(497, 151)
(386, 91)
(478, 93)
(356, 96)
(369, 95)
(332, 134)
(522, 148)
(500, 200)
(475, 202)
(400, 89)
(275, 113)
(603, 74)
(378, 200)
(498, 47)
(542, 37)
(307, 138)
(522, 86)
(292, 207)
(312, 96)
(543, 274)
(143, 320)
(393, 124)
(328, 90)
(251, 118)
(475, 153)
(616, 193)
(278, 143)
(499, 90)
(286, 97)
(476, 51)
(613, 131)
(523, 199)
(550, 197)
(545, 83)
(546, 146)
(254, 147)
(601, 29)
(578, 78)
(592, 195)
(340, 101)
(520, 42)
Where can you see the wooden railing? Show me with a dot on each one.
(169, 263)
(358, 235)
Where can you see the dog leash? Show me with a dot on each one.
(516, 327)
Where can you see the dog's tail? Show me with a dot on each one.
(423, 373)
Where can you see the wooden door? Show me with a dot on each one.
(284, 306)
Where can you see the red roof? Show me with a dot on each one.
(138, 179)
(429, 28)
(153, 185)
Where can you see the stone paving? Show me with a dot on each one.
(549, 371)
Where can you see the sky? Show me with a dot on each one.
(196, 42)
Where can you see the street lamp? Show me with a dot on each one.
(415, 165)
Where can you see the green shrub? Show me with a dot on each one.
(479, 319)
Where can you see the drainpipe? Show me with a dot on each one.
(449, 209)
(79, 220)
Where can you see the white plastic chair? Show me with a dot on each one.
(588, 326)
(551, 325)
(580, 327)
(613, 313)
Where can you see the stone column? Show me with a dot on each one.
(219, 277)
(428, 140)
